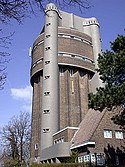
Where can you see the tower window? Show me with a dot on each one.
(46, 130)
(71, 36)
(47, 36)
(60, 54)
(82, 73)
(72, 55)
(36, 146)
(48, 24)
(71, 72)
(46, 93)
(46, 76)
(46, 111)
(72, 87)
(47, 62)
(47, 48)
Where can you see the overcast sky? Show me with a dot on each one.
(17, 94)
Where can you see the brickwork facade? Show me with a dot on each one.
(106, 144)
(69, 48)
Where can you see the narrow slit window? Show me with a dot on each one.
(36, 146)
(48, 24)
(47, 48)
(72, 87)
(46, 130)
(61, 70)
(46, 111)
(71, 72)
(47, 36)
(47, 76)
(46, 93)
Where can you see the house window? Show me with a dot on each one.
(86, 158)
(107, 133)
(119, 134)
(59, 140)
(80, 159)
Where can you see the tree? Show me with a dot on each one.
(112, 71)
(16, 139)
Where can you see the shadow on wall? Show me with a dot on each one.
(115, 157)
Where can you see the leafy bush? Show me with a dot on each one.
(59, 165)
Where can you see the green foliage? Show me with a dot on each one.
(59, 165)
(67, 165)
(112, 71)
(73, 157)
(11, 163)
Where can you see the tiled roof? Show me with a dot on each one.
(87, 127)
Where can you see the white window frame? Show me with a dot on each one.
(119, 134)
(107, 133)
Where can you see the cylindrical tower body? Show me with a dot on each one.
(50, 94)
(64, 57)
(91, 27)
